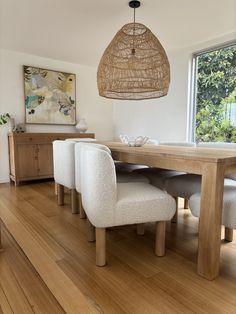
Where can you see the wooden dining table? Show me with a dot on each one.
(212, 165)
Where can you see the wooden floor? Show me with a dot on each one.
(57, 272)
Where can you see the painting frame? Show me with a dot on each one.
(49, 96)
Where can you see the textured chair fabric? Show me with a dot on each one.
(183, 185)
(81, 139)
(113, 203)
(157, 176)
(188, 184)
(121, 176)
(79, 164)
(222, 145)
(185, 144)
(228, 210)
(64, 170)
(228, 181)
(134, 198)
(152, 141)
(64, 163)
(108, 203)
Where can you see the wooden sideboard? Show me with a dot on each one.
(31, 155)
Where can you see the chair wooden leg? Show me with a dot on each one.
(79, 201)
(229, 234)
(186, 206)
(140, 229)
(82, 213)
(74, 201)
(175, 217)
(56, 188)
(160, 238)
(60, 194)
(100, 246)
(90, 232)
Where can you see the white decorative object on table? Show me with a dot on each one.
(81, 126)
(136, 141)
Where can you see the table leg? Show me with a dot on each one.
(210, 220)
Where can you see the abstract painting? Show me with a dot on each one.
(49, 96)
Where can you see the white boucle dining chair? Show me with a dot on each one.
(158, 177)
(108, 203)
(64, 169)
(228, 209)
(180, 143)
(120, 176)
(186, 185)
(81, 139)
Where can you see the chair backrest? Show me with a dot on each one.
(82, 139)
(64, 163)
(78, 161)
(99, 187)
(152, 141)
(64, 160)
(217, 145)
(186, 144)
(220, 145)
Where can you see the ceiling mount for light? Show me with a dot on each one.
(134, 66)
(134, 4)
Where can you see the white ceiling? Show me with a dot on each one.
(79, 30)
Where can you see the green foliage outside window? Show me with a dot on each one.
(216, 87)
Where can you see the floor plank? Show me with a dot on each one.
(34, 289)
(4, 304)
(134, 281)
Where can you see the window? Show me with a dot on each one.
(214, 95)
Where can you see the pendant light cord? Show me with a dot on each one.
(133, 49)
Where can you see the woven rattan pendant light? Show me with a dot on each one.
(134, 65)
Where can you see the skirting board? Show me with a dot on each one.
(7, 180)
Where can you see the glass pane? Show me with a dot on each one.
(216, 95)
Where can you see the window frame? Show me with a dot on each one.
(191, 135)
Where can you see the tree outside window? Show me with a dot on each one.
(216, 95)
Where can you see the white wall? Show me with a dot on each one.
(164, 118)
(97, 111)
